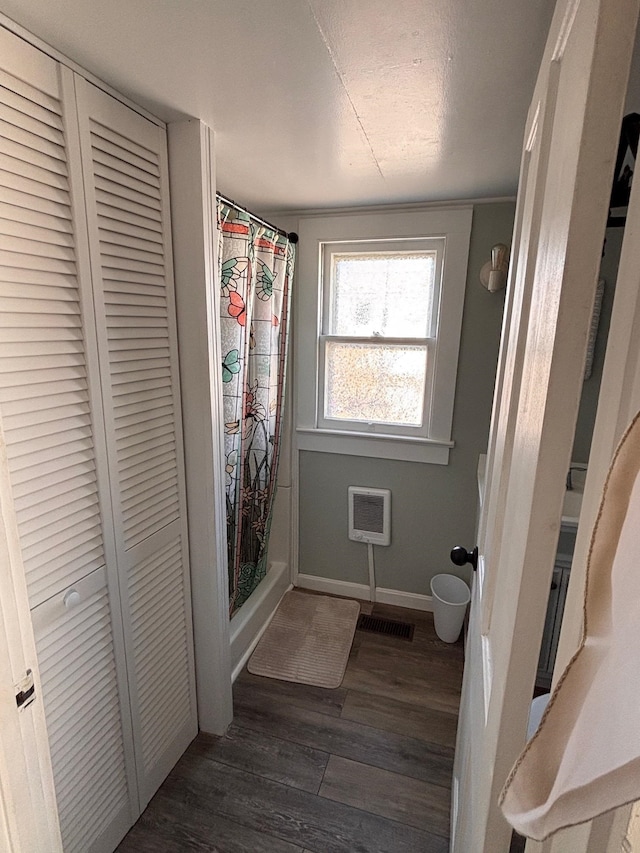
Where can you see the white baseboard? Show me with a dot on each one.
(250, 622)
(333, 587)
(412, 600)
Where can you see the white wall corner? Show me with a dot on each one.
(193, 203)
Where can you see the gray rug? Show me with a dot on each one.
(308, 640)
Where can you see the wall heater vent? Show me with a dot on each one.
(370, 515)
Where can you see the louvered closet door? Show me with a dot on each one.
(124, 162)
(46, 407)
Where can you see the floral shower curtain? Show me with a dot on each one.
(256, 268)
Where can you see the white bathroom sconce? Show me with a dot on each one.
(493, 274)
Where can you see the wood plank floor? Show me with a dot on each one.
(365, 768)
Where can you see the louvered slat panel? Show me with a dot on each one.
(126, 252)
(23, 412)
(54, 486)
(117, 203)
(43, 396)
(114, 176)
(12, 228)
(115, 229)
(151, 396)
(50, 180)
(126, 163)
(111, 262)
(146, 313)
(80, 501)
(37, 139)
(29, 422)
(13, 391)
(155, 585)
(77, 510)
(58, 218)
(159, 412)
(42, 192)
(14, 94)
(38, 99)
(26, 453)
(122, 234)
(62, 543)
(47, 297)
(138, 496)
(75, 651)
(107, 133)
(126, 158)
(121, 284)
(48, 158)
(24, 239)
(147, 504)
(131, 157)
(28, 275)
(145, 429)
(154, 513)
(44, 124)
(50, 345)
(32, 256)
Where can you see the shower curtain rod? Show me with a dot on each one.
(291, 235)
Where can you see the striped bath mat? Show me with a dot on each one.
(308, 640)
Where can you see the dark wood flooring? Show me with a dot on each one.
(365, 768)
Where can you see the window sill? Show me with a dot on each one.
(379, 446)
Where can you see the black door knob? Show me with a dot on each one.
(460, 556)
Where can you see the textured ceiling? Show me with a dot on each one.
(323, 103)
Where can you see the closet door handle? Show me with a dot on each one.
(72, 598)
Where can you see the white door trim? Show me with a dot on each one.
(195, 251)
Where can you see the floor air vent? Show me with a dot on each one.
(389, 627)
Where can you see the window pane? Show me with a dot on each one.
(375, 383)
(383, 294)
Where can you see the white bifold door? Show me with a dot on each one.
(90, 404)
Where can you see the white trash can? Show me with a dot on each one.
(538, 707)
(450, 598)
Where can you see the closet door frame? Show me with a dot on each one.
(195, 246)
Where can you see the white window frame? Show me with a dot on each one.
(429, 341)
(449, 224)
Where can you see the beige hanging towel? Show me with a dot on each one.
(585, 757)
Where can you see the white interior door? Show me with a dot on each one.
(570, 145)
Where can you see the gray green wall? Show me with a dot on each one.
(433, 506)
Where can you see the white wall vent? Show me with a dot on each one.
(370, 515)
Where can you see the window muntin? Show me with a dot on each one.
(379, 322)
